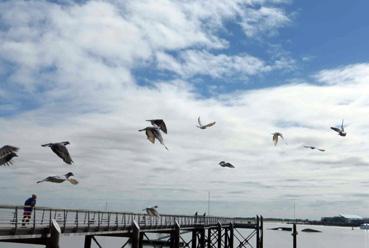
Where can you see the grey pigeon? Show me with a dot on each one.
(7, 153)
(61, 150)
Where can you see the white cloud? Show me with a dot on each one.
(351, 74)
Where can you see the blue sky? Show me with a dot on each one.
(92, 72)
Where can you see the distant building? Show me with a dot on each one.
(343, 220)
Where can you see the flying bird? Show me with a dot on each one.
(153, 133)
(313, 148)
(204, 126)
(61, 150)
(7, 153)
(224, 164)
(152, 211)
(275, 137)
(160, 124)
(60, 179)
(340, 131)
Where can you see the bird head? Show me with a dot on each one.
(69, 174)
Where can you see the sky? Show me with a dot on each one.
(92, 72)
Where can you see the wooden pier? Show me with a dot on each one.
(190, 231)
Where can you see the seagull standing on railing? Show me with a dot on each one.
(61, 150)
(340, 131)
(204, 126)
(7, 153)
(152, 211)
(60, 179)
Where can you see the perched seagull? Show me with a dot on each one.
(275, 137)
(60, 179)
(60, 150)
(204, 126)
(313, 147)
(7, 153)
(153, 133)
(224, 164)
(160, 124)
(152, 211)
(340, 131)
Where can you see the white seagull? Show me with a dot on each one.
(313, 148)
(340, 131)
(60, 179)
(153, 133)
(61, 150)
(275, 137)
(204, 126)
(224, 164)
(7, 153)
(152, 211)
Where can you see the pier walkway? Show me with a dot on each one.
(47, 224)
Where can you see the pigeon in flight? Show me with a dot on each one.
(7, 153)
(340, 131)
(153, 133)
(204, 126)
(313, 147)
(61, 150)
(224, 164)
(60, 179)
(275, 137)
(152, 211)
(160, 124)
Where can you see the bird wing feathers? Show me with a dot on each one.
(199, 121)
(150, 135)
(5, 150)
(73, 181)
(210, 124)
(62, 152)
(160, 124)
(336, 129)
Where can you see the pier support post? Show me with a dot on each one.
(219, 232)
(294, 234)
(261, 231)
(257, 232)
(175, 235)
(53, 241)
(194, 238)
(231, 235)
(135, 236)
(202, 238)
(88, 241)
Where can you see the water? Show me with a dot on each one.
(330, 237)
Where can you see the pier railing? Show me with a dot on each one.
(77, 220)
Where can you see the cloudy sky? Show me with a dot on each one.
(92, 72)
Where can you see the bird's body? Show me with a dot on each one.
(152, 211)
(60, 179)
(341, 131)
(204, 126)
(275, 137)
(313, 148)
(153, 133)
(7, 153)
(159, 123)
(224, 164)
(61, 150)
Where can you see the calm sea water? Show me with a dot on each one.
(330, 237)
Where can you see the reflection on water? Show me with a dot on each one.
(330, 237)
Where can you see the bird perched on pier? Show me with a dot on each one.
(7, 153)
(152, 211)
(275, 137)
(313, 148)
(159, 123)
(340, 131)
(153, 133)
(224, 164)
(204, 126)
(60, 179)
(61, 150)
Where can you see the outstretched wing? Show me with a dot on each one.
(336, 129)
(342, 128)
(62, 152)
(5, 150)
(210, 124)
(152, 212)
(230, 165)
(199, 121)
(322, 150)
(160, 124)
(150, 135)
(159, 137)
(73, 181)
(275, 138)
